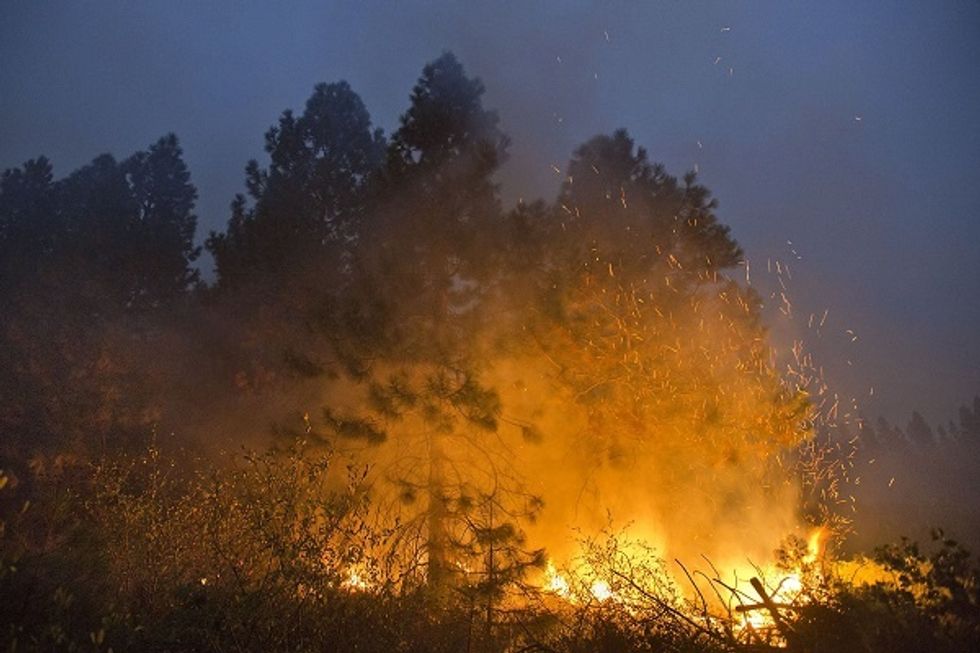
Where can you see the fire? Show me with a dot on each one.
(601, 591)
(758, 594)
(356, 581)
(758, 597)
(815, 545)
(555, 582)
(789, 591)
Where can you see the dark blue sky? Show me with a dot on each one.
(882, 209)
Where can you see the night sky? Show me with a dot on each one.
(851, 130)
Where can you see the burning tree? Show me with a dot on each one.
(417, 365)
(653, 355)
(463, 345)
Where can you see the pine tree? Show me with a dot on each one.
(969, 427)
(645, 335)
(420, 271)
(919, 432)
(85, 261)
(160, 184)
(307, 205)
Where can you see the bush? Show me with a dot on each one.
(915, 601)
(135, 554)
(283, 551)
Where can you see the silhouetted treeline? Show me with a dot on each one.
(892, 481)
(89, 267)
(881, 434)
(108, 330)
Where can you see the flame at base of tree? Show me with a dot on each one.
(273, 540)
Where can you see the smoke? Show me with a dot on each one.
(683, 486)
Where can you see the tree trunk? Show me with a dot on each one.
(437, 545)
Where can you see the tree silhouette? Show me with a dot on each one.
(919, 432)
(309, 201)
(160, 184)
(621, 203)
(889, 437)
(85, 261)
(969, 427)
(28, 221)
(119, 234)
